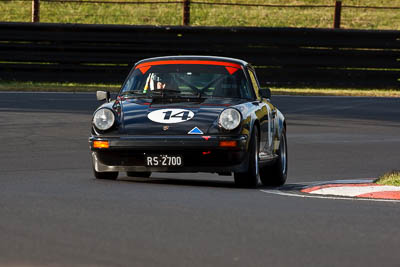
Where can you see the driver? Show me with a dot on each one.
(158, 81)
(161, 81)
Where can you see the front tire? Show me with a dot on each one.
(276, 174)
(250, 178)
(105, 175)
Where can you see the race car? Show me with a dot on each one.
(190, 114)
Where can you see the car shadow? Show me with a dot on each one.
(180, 182)
(205, 183)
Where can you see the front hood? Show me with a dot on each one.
(171, 118)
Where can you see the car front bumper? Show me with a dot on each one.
(199, 153)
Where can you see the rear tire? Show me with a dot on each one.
(138, 174)
(105, 175)
(276, 174)
(250, 178)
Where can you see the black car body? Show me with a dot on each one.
(190, 114)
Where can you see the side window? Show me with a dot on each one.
(255, 84)
(244, 89)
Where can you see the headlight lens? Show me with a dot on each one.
(229, 119)
(103, 119)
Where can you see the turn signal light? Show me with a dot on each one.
(228, 143)
(101, 144)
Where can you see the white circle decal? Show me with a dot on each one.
(170, 115)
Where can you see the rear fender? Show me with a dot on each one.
(280, 125)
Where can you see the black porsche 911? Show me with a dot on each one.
(190, 114)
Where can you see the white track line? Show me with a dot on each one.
(277, 192)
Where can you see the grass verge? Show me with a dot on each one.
(336, 92)
(170, 13)
(76, 87)
(56, 87)
(391, 178)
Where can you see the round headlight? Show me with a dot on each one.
(229, 119)
(103, 119)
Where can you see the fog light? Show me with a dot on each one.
(101, 144)
(227, 143)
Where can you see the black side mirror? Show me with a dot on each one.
(103, 95)
(265, 93)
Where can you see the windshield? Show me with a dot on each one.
(187, 80)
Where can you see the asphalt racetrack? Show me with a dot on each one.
(54, 213)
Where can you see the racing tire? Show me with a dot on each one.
(105, 175)
(276, 174)
(250, 178)
(138, 174)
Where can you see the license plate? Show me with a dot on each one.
(163, 161)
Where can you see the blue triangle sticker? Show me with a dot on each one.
(195, 130)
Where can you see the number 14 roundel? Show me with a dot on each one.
(174, 115)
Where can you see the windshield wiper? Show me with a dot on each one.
(164, 92)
